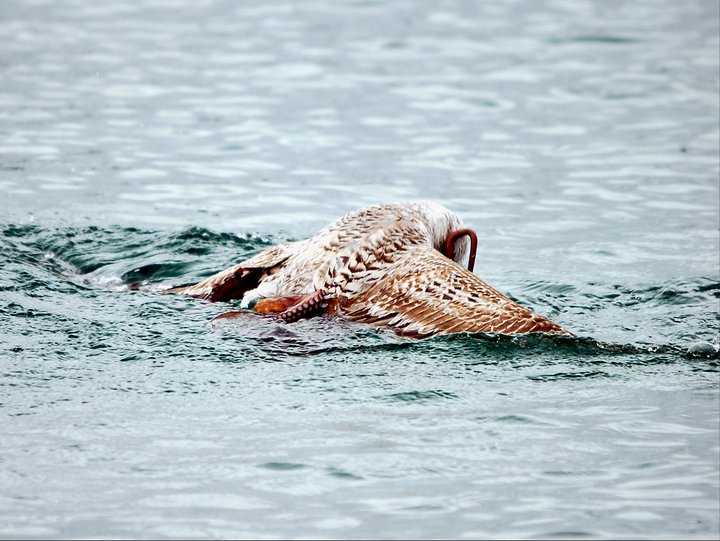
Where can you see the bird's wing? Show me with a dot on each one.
(233, 282)
(357, 265)
(425, 293)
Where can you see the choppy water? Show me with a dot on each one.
(157, 142)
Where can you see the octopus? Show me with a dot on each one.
(395, 265)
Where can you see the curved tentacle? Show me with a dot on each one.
(450, 245)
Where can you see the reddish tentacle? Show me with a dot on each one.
(310, 305)
(450, 245)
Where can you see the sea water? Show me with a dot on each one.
(156, 142)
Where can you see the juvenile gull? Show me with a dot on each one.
(391, 264)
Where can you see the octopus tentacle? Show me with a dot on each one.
(450, 245)
(309, 306)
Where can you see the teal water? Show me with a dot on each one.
(149, 143)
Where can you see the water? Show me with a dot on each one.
(156, 142)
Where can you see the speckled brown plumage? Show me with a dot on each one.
(425, 293)
(380, 265)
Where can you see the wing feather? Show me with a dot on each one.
(425, 293)
(233, 282)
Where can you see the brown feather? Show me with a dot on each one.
(232, 283)
(413, 297)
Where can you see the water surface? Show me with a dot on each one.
(156, 142)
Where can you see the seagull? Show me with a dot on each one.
(396, 265)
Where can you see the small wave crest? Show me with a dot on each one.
(128, 257)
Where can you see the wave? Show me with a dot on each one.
(80, 260)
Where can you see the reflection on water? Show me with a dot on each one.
(153, 143)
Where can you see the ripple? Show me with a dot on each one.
(282, 466)
(420, 396)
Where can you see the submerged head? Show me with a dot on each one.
(442, 223)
